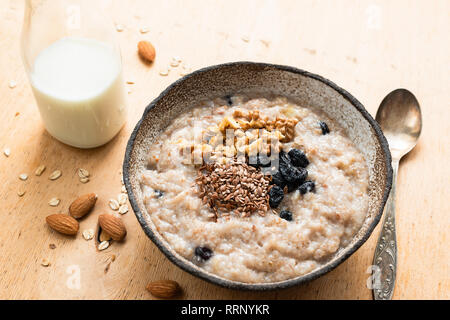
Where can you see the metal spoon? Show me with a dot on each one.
(400, 119)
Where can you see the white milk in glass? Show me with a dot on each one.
(78, 85)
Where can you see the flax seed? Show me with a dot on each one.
(233, 187)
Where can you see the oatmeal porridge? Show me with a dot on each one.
(255, 190)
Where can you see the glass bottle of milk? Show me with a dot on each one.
(75, 70)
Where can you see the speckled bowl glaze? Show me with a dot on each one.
(247, 77)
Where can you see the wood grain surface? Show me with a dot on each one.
(366, 47)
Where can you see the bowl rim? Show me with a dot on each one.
(230, 284)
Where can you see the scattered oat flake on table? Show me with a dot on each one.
(21, 193)
(103, 245)
(84, 180)
(123, 209)
(144, 30)
(45, 263)
(54, 202)
(130, 82)
(12, 84)
(114, 204)
(55, 175)
(23, 176)
(164, 72)
(124, 189)
(88, 234)
(7, 152)
(40, 170)
(174, 63)
(83, 173)
(245, 38)
(123, 198)
(184, 72)
(119, 27)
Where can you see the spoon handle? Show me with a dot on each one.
(385, 258)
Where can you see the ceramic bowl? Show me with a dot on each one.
(247, 77)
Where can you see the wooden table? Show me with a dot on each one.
(367, 47)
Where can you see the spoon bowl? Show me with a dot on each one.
(400, 119)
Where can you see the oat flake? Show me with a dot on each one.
(83, 173)
(23, 176)
(88, 234)
(7, 152)
(45, 263)
(21, 193)
(84, 180)
(144, 30)
(123, 198)
(174, 63)
(124, 189)
(164, 72)
(114, 204)
(40, 170)
(103, 245)
(119, 27)
(12, 84)
(123, 209)
(185, 72)
(54, 202)
(55, 175)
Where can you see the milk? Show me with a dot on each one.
(78, 85)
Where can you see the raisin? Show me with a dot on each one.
(229, 100)
(277, 179)
(284, 159)
(293, 175)
(204, 253)
(286, 215)
(292, 187)
(276, 195)
(307, 186)
(287, 174)
(324, 127)
(298, 158)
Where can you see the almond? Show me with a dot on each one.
(83, 205)
(63, 223)
(164, 289)
(113, 225)
(146, 51)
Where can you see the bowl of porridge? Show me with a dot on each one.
(257, 176)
